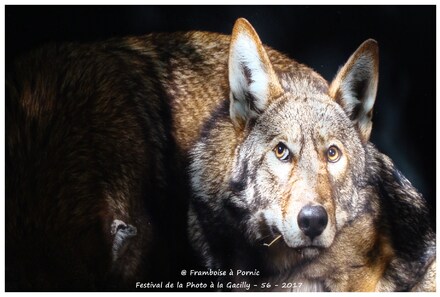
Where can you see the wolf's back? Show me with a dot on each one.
(92, 135)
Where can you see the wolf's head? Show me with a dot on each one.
(298, 169)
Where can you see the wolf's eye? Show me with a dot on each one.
(333, 154)
(282, 152)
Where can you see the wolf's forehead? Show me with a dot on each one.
(303, 83)
(309, 107)
(313, 113)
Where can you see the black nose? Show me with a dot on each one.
(312, 220)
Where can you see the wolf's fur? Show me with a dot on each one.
(377, 236)
(95, 134)
(97, 141)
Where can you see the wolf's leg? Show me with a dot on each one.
(122, 233)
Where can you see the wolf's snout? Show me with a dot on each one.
(312, 220)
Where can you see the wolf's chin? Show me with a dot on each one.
(309, 252)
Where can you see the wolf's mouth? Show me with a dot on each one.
(307, 250)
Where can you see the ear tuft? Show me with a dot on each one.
(355, 86)
(252, 79)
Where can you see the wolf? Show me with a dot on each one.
(98, 149)
(286, 182)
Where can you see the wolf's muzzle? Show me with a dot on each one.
(312, 220)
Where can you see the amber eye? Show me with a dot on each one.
(282, 152)
(333, 154)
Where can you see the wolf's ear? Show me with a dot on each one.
(252, 79)
(355, 86)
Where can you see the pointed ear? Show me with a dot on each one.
(252, 79)
(355, 86)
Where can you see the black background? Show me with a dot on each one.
(322, 37)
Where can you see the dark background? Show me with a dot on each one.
(322, 37)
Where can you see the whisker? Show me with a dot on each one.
(272, 242)
(266, 236)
